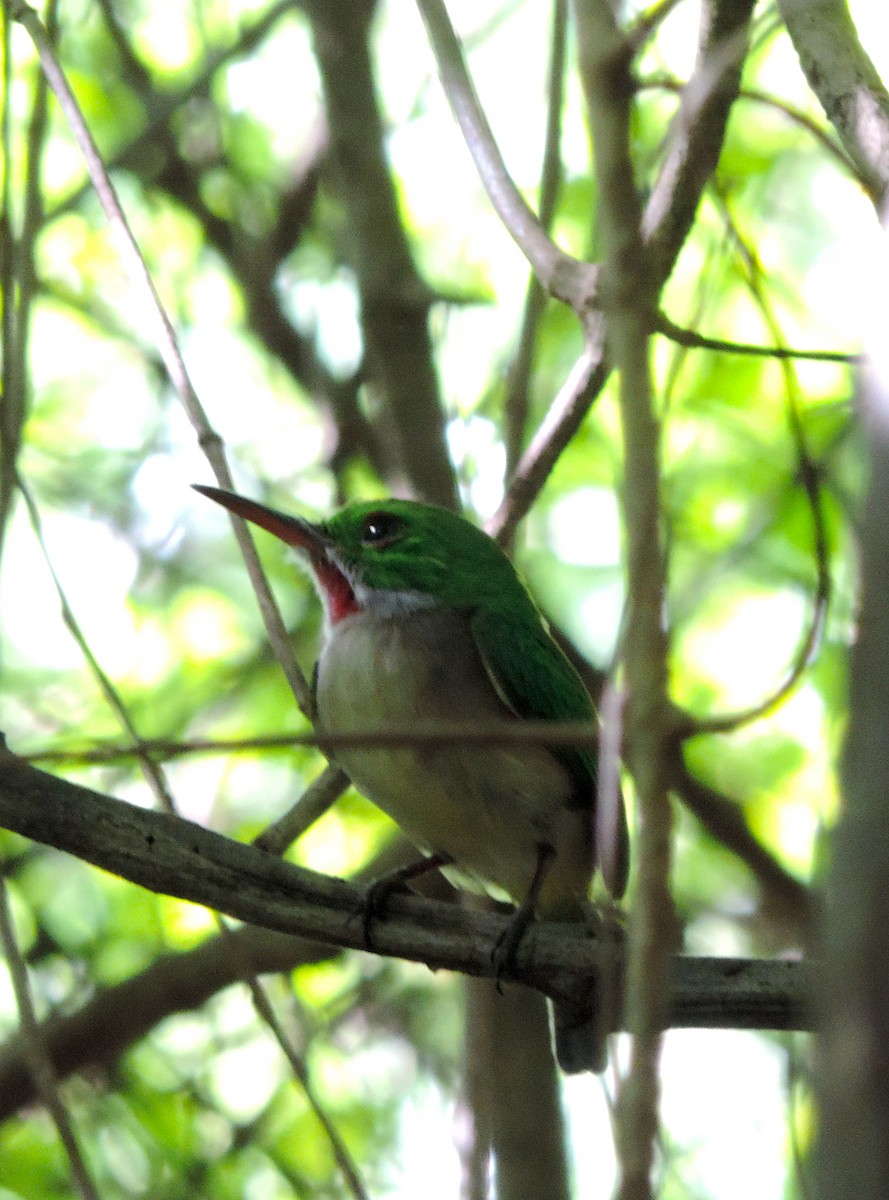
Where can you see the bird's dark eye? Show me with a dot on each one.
(380, 529)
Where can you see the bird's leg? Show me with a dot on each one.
(373, 904)
(507, 943)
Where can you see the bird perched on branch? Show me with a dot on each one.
(427, 620)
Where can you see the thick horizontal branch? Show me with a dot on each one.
(720, 815)
(175, 857)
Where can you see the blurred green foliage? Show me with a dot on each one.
(213, 136)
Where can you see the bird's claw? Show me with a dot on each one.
(375, 899)
(373, 905)
(503, 953)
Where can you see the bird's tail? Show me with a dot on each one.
(580, 1035)
(583, 1020)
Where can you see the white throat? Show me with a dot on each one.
(383, 603)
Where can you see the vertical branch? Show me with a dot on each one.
(516, 401)
(627, 292)
(527, 1126)
(10, 420)
(17, 278)
(395, 301)
(853, 998)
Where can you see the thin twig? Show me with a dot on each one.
(341, 1154)
(309, 808)
(516, 400)
(416, 733)
(38, 1057)
(698, 341)
(168, 346)
(562, 275)
(273, 841)
(212, 446)
(796, 116)
(809, 478)
(693, 149)
(152, 773)
(558, 427)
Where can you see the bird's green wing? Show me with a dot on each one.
(535, 680)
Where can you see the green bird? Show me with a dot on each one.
(425, 620)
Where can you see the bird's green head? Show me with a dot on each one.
(392, 556)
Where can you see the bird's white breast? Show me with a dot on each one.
(488, 808)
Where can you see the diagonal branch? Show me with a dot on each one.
(846, 82)
(167, 343)
(175, 857)
(694, 145)
(562, 275)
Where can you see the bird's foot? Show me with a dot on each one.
(504, 952)
(373, 904)
(503, 955)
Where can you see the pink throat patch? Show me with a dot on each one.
(340, 600)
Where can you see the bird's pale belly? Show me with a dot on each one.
(488, 808)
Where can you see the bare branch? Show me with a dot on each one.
(697, 133)
(853, 1155)
(846, 82)
(175, 857)
(561, 423)
(310, 807)
(394, 299)
(708, 993)
(36, 1053)
(516, 401)
(604, 59)
(167, 343)
(562, 275)
(694, 145)
(697, 341)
